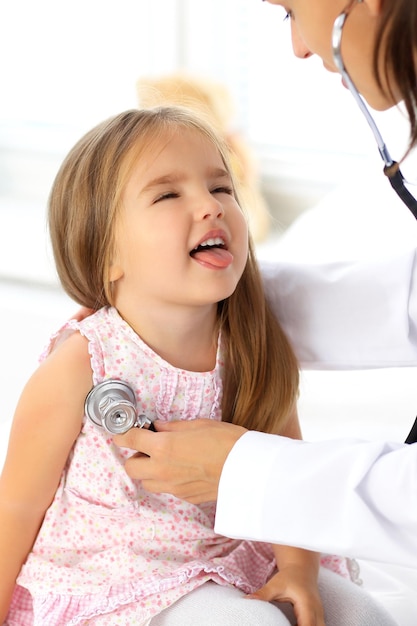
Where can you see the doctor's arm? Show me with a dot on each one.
(346, 497)
(349, 497)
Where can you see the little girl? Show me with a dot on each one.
(147, 230)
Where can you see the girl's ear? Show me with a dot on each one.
(116, 264)
(374, 6)
(115, 272)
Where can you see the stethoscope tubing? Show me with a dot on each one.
(337, 57)
(391, 168)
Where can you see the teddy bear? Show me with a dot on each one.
(214, 100)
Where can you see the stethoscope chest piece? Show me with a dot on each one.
(112, 406)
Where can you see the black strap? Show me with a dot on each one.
(412, 436)
(396, 179)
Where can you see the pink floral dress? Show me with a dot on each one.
(107, 547)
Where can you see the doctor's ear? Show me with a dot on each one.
(374, 6)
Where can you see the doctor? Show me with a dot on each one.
(348, 497)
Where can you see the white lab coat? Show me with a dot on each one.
(341, 310)
(343, 497)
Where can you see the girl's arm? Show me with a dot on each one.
(296, 580)
(45, 426)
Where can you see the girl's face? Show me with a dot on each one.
(311, 29)
(181, 239)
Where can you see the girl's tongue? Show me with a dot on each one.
(216, 257)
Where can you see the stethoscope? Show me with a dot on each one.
(112, 406)
(391, 168)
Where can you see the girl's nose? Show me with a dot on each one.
(211, 207)
(299, 47)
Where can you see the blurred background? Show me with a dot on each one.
(67, 65)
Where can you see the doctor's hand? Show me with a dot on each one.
(184, 458)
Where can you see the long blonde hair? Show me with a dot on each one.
(261, 371)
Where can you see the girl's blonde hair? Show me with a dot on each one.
(261, 372)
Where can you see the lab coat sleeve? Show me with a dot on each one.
(347, 497)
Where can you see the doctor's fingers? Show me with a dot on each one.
(201, 445)
(171, 439)
(171, 455)
(142, 440)
(162, 471)
(185, 457)
(163, 478)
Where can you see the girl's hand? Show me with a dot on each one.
(293, 584)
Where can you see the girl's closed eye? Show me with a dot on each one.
(223, 189)
(167, 195)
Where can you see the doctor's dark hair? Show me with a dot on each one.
(261, 372)
(396, 52)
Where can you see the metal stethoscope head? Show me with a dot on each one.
(391, 167)
(112, 405)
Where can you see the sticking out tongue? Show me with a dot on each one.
(217, 257)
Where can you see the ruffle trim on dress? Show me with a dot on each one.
(150, 597)
(50, 609)
(58, 337)
(70, 327)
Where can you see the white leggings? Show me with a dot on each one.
(345, 604)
